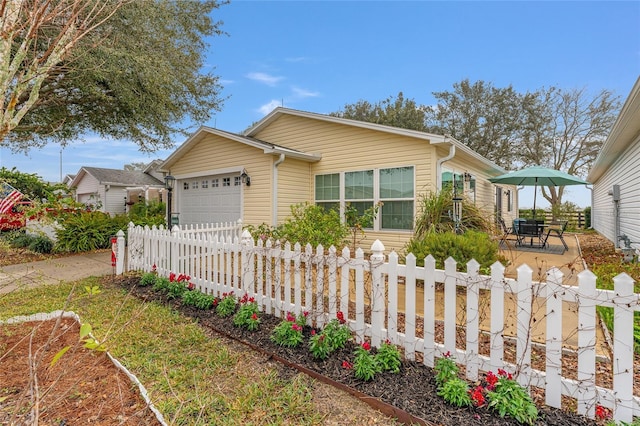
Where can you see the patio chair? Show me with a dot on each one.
(558, 232)
(506, 232)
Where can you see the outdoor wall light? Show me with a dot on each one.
(246, 179)
(467, 177)
(169, 181)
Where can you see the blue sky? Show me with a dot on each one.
(320, 55)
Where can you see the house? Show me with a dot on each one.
(113, 191)
(616, 190)
(293, 156)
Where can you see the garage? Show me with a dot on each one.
(209, 199)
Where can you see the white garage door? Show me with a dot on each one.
(209, 199)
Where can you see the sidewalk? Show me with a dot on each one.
(54, 271)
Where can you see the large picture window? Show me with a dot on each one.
(393, 187)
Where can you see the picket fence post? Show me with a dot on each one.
(623, 348)
(553, 367)
(497, 316)
(377, 293)
(119, 266)
(586, 344)
(473, 320)
(450, 297)
(524, 288)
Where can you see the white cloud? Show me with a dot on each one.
(269, 80)
(267, 108)
(303, 93)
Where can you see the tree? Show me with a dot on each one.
(564, 130)
(401, 112)
(485, 118)
(119, 68)
(31, 185)
(556, 128)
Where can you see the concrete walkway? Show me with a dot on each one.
(54, 271)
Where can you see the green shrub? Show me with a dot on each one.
(41, 244)
(87, 231)
(152, 213)
(20, 240)
(314, 225)
(464, 247)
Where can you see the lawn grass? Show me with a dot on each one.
(191, 378)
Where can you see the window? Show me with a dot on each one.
(226, 181)
(214, 183)
(205, 184)
(237, 181)
(328, 191)
(358, 190)
(363, 189)
(185, 186)
(194, 185)
(396, 194)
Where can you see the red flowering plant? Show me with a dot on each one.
(452, 388)
(247, 315)
(178, 284)
(508, 398)
(289, 332)
(226, 305)
(334, 336)
(365, 365)
(388, 357)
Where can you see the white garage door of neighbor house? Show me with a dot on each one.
(209, 199)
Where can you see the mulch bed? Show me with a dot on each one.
(82, 387)
(412, 390)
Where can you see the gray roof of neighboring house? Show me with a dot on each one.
(121, 177)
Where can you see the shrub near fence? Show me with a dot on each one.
(295, 279)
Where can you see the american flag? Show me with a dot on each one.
(8, 197)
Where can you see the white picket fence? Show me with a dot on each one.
(286, 279)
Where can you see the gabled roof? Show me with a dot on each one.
(623, 133)
(117, 177)
(268, 148)
(431, 137)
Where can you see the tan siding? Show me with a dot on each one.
(293, 186)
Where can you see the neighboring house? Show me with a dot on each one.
(616, 189)
(292, 157)
(68, 179)
(112, 190)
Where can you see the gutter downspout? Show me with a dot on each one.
(452, 153)
(274, 192)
